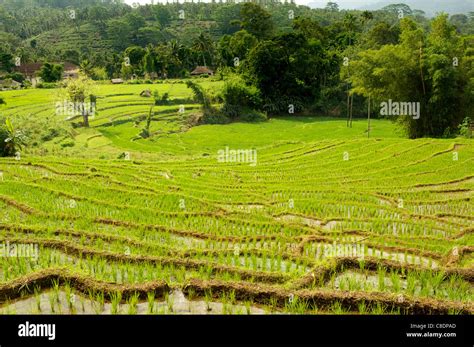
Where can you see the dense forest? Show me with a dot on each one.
(276, 57)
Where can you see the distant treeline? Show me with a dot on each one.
(281, 57)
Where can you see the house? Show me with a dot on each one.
(202, 70)
(31, 70)
(116, 81)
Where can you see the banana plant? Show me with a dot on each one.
(15, 139)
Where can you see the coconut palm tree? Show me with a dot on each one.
(86, 67)
(203, 44)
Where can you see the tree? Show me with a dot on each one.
(398, 9)
(98, 74)
(241, 43)
(256, 20)
(133, 60)
(419, 70)
(78, 91)
(238, 97)
(135, 21)
(6, 61)
(200, 95)
(225, 17)
(310, 28)
(162, 14)
(51, 72)
(381, 34)
(118, 32)
(367, 16)
(145, 132)
(287, 70)
(332, 6)
(149, 61)
(86, 67)
(149, 35)
(204, 46)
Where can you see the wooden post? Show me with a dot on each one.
(352, 103)
(368, 116)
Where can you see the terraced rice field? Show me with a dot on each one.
(338, 224)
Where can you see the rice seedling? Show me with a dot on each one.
(337, 308)
(135, 207)
(381, 279)
(52, 301)
(132, 303)
(273, 304)
(411, 283)
(224, 302)
(207, 300)
(151, 302)
(248, 307)
(116, 298)
(70, 297)
(296, 305)
(378, 309)
(169, 301)
(37, 294)
(395, 281)
(362, 307)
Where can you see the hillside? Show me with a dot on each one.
(431, 8)
(270, 230)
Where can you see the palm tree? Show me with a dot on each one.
(174, 47)
(86, 67)
(350, 23)
(203, 44)
(149, 61)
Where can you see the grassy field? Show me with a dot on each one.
(321, 220)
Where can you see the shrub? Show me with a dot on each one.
(240, 100)
(200, 95)
(67, 143)
(253, 116)
(15, 76)
(42, 129)
(51, 72)
(99, 74)
(214, 117)
(163, 100)
(464, 128)
(3, 137)
(11, 139)
(46, 85)
(239, 97)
